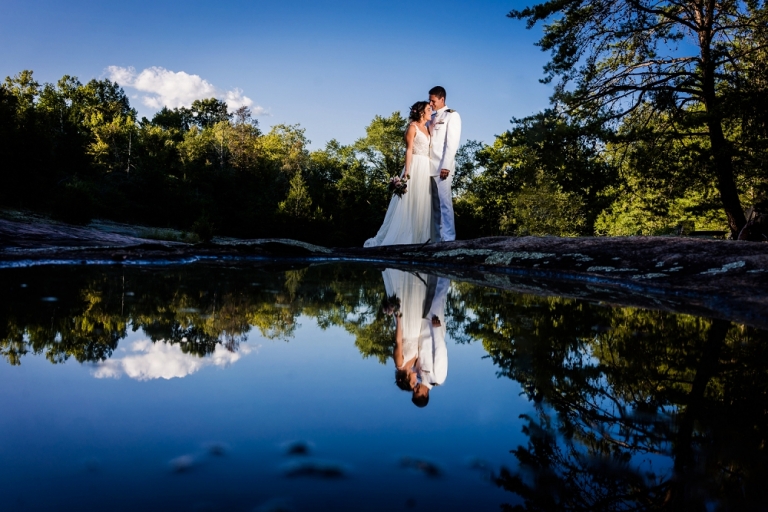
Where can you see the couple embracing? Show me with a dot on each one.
(425, 212)
(417, 302)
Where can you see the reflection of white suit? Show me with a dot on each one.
(445, 130)
(433, 353)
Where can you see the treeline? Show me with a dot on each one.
(583, 167)
(78, 151)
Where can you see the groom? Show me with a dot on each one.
(445, 127)
(433, 354)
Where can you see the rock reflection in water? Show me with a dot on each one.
(314, 469)
(423, 466)
(629, 409)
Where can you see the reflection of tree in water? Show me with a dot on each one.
(77, 325)
(636, 410)
(195, 308)
(92, 310)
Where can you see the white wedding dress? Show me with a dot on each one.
(408, 218)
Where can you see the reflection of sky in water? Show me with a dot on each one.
(154, 426)
(145, 441)
(145, 360)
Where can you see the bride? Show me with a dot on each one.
(409, 216)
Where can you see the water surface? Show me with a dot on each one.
(206, 388)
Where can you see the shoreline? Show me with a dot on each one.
(714, 278)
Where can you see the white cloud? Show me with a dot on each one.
(235, 99)
(173, 89)
(161, 360)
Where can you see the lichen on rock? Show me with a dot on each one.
(651, 275)
(504, 258)
(453, 253)
(724, 268)
(578, 256)
(610, 269)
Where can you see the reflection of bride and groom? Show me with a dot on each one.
(425, 211)
(420, 355)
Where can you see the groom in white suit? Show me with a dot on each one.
(433, 353)
(437, 294)
(445, 128)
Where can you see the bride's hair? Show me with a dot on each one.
(402, 381)
(417, 110)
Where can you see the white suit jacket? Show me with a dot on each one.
(445, 128)
(433, 353)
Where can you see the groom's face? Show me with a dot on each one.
(435, 102)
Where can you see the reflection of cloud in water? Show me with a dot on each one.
(147, 360)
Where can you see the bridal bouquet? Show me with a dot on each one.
(398, 185)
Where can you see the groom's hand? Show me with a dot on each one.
(444, 173)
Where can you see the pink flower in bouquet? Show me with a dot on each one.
(398, 185)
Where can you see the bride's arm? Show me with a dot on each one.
(410, 134)
(397, 355)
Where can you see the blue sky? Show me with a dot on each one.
(330, 66)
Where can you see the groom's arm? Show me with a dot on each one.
(452, 139)
(437, 308)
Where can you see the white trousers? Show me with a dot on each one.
(443, 228)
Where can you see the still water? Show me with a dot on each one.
(351, 387)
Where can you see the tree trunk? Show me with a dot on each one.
(721, 155)
(726, 184)
(684, 491)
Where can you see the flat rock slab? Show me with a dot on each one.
(713, 278)
(642, 262)
(718, 278)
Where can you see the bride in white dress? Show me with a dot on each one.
(408, 218)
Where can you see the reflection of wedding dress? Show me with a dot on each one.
(411, 289)
(408, 217)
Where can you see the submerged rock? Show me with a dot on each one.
(315, 469)
(295, 448)
(426, 467)
(216, 449)
(182, 464)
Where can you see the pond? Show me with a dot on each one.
(355, 387)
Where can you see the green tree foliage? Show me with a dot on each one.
(654, 194)
(242, 141)
(383, 147)
(201, 166)
(618, 157)
(298, 204)
(616, 58)
(179, 119)
(60, 135)
(544, 176)
(647, 134)
(208, 112)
